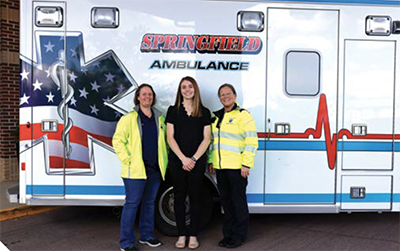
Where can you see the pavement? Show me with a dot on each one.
(97, 228)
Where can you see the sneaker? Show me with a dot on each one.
(224, 242)
(130, 248)
(152, 242)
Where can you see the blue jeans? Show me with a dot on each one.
(139, 190)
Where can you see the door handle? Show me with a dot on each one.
(359, 129)
(282, 128)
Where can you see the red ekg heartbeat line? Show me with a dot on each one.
(331, 143)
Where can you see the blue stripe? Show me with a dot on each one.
(75, 190)
(369, 197)
(380, 2)
(299, 198)
(321, 198)
(251, 197)
(283, 145)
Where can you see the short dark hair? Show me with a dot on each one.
(137, 93)
(229, 86)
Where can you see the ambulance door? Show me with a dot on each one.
(48, 78)
(368, 105)
(301, 106)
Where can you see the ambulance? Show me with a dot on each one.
(321, 79)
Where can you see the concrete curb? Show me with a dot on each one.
(21, 211)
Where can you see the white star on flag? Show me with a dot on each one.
(72, 76)
(106, 100)
(84, 70)
(24, 75)
(120, 89)
(96, 64)
(73, 101)
(48, 72)
(37, 85)
(50, 97)
(95, 87)
(73, 53)
(49, 47)
(24, 99)
(84, 93)
(109, 77)
(94, 109)
(117, 114)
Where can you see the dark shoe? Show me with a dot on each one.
(224, 242)
(233, 243)
(153, 242)
(130, 248)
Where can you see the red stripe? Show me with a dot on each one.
(331, 144)
(57, 162)
(77, 134)
(23, 166)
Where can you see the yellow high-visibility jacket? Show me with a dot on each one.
(234, 139)
(127, 143)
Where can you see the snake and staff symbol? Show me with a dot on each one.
(58, 74)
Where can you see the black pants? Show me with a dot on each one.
(187, 183)
(232, 187)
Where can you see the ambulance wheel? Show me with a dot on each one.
(165, 214)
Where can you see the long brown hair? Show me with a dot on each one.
(197, 105)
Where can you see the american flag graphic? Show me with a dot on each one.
(79, 104)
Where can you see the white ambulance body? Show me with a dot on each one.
(320, 79)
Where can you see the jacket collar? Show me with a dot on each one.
(220, 112)
(157, 113)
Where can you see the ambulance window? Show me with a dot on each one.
(302, 73)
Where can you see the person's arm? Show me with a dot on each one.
(120, 140)
(187, 163)
(249, 133)
(205, 143)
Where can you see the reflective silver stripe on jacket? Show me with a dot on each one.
(235, 149)
(249, 134)
(250, 148)
(228, 135)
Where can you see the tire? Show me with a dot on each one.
(165, 214)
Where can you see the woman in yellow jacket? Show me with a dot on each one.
(140, 144)
(234, 144)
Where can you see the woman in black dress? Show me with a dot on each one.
(188, 135)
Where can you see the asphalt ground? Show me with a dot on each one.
(97, 228)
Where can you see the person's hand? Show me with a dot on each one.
(245, 171)
(211, 168)
(187, 164)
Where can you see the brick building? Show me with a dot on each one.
(9, 89)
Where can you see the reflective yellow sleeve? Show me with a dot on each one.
(249, 132)
(121, 139)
